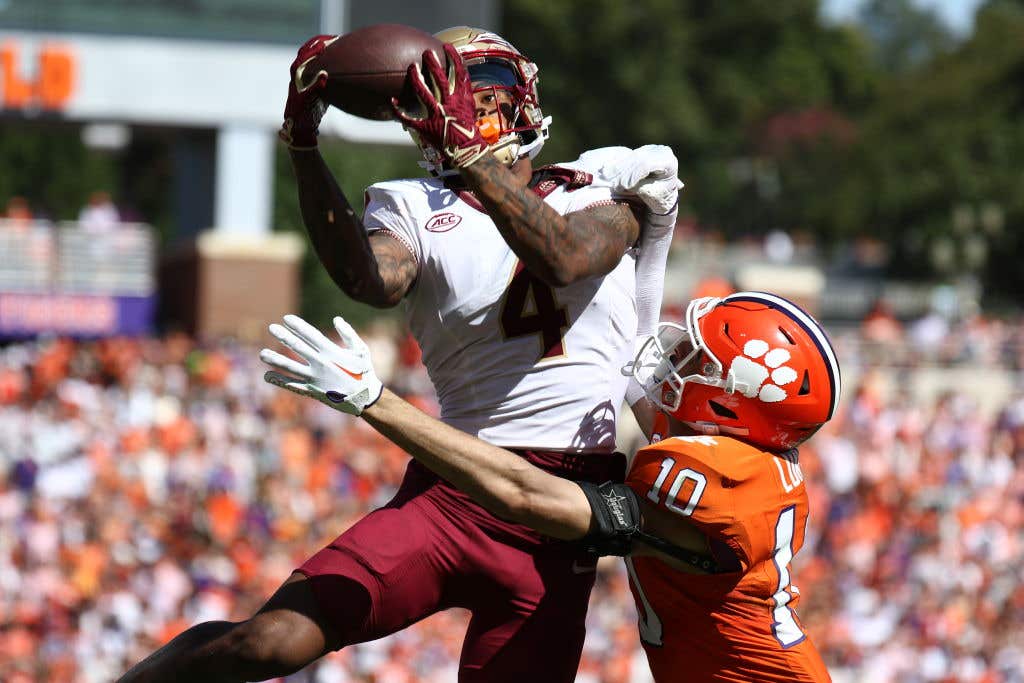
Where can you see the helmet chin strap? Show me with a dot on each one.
(705, 428)
(713, 429)
(732, 385)
(507, 151)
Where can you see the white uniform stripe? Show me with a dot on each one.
(784, 625)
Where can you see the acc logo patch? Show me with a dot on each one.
(443, 222)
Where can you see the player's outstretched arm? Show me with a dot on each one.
(558, 249)
(607, 517)
(374, 269)
(343, 377)
(498, 479)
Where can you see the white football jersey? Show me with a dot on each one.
(514, 361)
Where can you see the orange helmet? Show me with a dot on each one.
(751, 365)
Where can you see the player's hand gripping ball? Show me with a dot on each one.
(305, 107)
(361, 71)
(447, 117)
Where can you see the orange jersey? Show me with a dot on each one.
(738, 626)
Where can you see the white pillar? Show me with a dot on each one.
(245, 180)
(333, 16)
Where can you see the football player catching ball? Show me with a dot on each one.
(526, 289)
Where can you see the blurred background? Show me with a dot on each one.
(860, 156)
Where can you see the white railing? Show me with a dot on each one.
(40, 257)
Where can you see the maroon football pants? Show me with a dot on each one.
(431, 548)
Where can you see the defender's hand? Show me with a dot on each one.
(650, 172)
(341, 377)
(304, 108)
(448, 120)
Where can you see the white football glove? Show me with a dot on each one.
(650, 172)
(341, 377)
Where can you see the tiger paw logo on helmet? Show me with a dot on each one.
(758, 363)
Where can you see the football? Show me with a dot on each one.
(366, 68)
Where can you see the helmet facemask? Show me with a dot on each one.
(677, 355)
(511, 130)
(517, 128)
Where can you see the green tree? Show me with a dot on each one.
(701, 77)
(945, 148)
(903, 35)
(49, 166)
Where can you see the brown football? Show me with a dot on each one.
(366, 68)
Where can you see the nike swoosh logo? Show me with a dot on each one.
(354, 375)
(578, 568)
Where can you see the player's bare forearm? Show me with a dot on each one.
(498, 479)
(644, 412)
(375, 271)
(558, 249)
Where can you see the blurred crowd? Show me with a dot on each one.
(99, 214)
(914, 562)
(935, 338)
(149, 484)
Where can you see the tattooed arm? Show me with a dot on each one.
(375, 269)
(558, 249)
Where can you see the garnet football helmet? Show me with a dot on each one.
(519, 128)
(752, 365)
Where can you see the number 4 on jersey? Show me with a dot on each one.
(530, 308)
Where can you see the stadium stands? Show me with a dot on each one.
(72, 279)
(148, 484)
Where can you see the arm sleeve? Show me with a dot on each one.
(648, 177)
(634, 392)
(388, 211)
(655, 240)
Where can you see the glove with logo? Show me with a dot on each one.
(304, 108)
(341, 377)
(448, 121)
